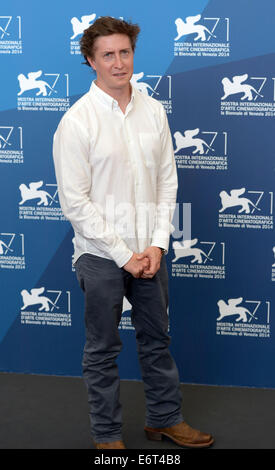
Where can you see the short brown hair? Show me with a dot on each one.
(105, 26)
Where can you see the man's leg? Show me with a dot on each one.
(103, 286)
(149, 299)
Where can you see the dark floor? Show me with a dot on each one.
(49, 412)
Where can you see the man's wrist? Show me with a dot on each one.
(162, 250)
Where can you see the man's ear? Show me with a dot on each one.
(91, 62)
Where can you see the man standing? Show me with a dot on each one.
(117, 183)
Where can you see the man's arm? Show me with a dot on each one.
(73, 174)
(167, 186)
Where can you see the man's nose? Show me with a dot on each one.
(118, 61)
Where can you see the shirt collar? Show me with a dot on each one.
(106, 99)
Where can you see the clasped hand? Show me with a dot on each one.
(144, 265)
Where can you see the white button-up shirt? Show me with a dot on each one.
(116, 174)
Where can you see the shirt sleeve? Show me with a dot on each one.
(74, 179)
(167, 185)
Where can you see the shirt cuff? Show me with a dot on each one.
(121, 254)
(161, 239)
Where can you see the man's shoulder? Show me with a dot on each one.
(149, 100)
(78, 111)
(150, 105)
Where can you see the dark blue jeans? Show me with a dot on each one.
(104, 286)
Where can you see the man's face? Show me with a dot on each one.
(113, 62)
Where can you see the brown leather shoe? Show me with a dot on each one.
(110, 445)
(182, 434)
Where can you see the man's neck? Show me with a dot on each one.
(121, 95)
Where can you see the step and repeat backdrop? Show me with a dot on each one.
(211, 65)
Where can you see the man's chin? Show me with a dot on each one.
(120, 84)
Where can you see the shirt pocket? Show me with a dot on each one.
(150, 148)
